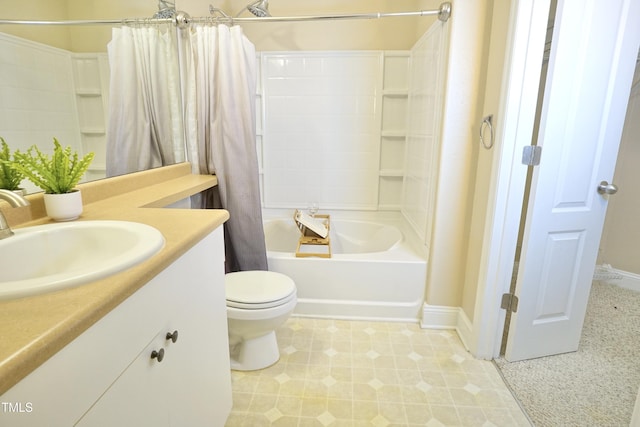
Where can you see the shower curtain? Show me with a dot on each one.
(220, 118)
(145, 124)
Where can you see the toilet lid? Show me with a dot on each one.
(261, 288)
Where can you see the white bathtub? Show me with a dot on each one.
(372, 274)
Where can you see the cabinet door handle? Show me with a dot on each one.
(172, 336)
(159, 355)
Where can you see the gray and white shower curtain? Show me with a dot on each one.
(219, 70)
(145, 124)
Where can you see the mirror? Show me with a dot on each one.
(55, 78)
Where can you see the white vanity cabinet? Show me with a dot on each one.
(126, 370)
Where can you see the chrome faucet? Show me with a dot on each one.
(14, 200)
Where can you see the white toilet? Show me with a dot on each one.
(258, 302)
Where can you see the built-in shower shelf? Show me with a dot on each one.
(88, 92)
(395, 98)
(393, 133)
(92, 131)
(391, 172)
(395, 93)
(389, 207)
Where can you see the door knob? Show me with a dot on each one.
(158, 355)
(172, 336)
(606, 188)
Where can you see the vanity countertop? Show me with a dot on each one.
(34, 328)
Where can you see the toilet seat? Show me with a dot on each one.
(261, 305)
(252, 290)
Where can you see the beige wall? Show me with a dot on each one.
(369, 34)
(464, 95)
(495, 49)
(53, 10)
(91, 38)
(376, 34)
(94, 38)
(620, 245)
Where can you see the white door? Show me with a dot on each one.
(595, 45)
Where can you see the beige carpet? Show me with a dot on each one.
(598, 384)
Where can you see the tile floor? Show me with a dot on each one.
(356, 373)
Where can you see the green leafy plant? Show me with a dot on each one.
(10, 178)
(56, 174)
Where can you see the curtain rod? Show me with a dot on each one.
(91, 21)
(182, 19)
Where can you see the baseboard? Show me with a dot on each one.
(465, 331)
(439, 317)
(628, 281)
(444, 317)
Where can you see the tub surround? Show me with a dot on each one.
(35, 328)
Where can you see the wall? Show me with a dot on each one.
(423, 136)
(381, 34)
(619, 245)
(452, 217)
(321, 131)
(494, 54)
(91, 38)
(386, 34)
(94, 38)
(347, 130)
(49, 10)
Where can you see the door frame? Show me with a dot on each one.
(514, 130)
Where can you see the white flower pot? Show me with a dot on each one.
(63, 207)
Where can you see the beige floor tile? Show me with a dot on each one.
(364, 410)
(349, 373)
(241, 401)
(446, 414)
(289, 405)
(286, 421)
(340, 408)
(471, 416)
(314, 406)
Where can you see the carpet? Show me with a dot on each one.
(598, 384)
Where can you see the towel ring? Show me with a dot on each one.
(487, 122)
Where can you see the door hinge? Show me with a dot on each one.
(531, 155)
(509, 302)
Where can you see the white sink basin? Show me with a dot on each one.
(50, 257)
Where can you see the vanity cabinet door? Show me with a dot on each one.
(199, 359)
(187, 381)
(138, 398)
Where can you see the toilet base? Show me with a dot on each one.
(256, 353)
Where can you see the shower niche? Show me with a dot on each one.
(395, 93)
(91, 83)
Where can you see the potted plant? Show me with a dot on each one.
(10, 178)
(57, 175)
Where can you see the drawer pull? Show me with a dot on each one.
(159, 355)
(172, 336)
